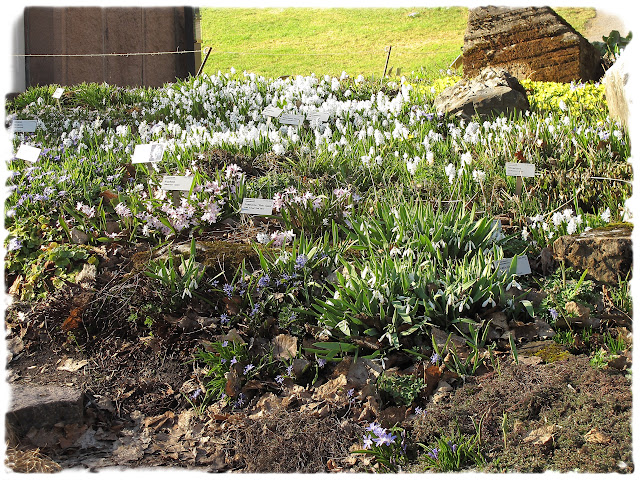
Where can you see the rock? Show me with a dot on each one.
(43, 406)
(493, 92)
(620, 362)
(531, 42)
(300, 365)
(544, 329)
(79, 237)
(358, 374)
(617, 94)
(605, 253)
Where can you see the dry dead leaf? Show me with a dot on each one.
(541, 436)
(285, 346)
(596, 436)
(71, 365)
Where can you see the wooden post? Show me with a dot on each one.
(386, 63)
(518, 186)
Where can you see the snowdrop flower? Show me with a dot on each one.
(430, 157)
(450, 171)
(606, 215)
(412, 166)
(395, 251)
(514, 284)
(466, 159)
(479, 175)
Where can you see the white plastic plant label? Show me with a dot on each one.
(58, 93)
(272, 111)
(257, 206)
(320, 117)
(515, 169)
(24, 126)
(291, 119)
(176, 182)
(522, 265)
(28, 153)
(147, 153)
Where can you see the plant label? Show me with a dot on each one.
(320, 117)
(24, 126)
(272, 111)
(291, 119)
(522, 265)
(257, 206)
(174, 182)
(147, 153)
(58, 93)
(28, 153)
(515, 169)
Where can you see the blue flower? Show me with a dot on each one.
(14, 244)
(280, 379)
(224, 319)
(195, 394)
(248, 368)
(225, 343)
(321, 362)
(228, 289)
(367, 442)
(301, 261)
(255, 310)
(435, 358)
(290, 370)
(554, 313)
(233, 361)
(264, 281)
(419, 411)
(434, 453)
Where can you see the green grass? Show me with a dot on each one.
(299, 41)
(291, 41)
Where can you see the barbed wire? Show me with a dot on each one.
(395, 52)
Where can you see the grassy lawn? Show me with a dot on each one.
(292, 41)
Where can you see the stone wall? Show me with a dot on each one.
(91, 30)
(530, 42)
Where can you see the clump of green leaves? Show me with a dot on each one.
(454, 453)
(401, 389)
(180, 281)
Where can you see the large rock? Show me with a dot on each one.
(616, 92)
(605, 253)
(493, 92)
(531, 42)
(43, 406)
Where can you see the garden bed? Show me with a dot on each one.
(363, 325)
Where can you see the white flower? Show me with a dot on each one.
(263, 238)
(412, 167)
(430, 157)
(450, 171)
(525, 234)
(606, 215)
(562, 106)
(479, 175)
(514, 284)
(395, 251)
(466, 159)
(122, 210)
(572, 226)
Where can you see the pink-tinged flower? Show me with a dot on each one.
(278, 201)
(233, 170)
(211, 213)
(122, 210)
(88, 211)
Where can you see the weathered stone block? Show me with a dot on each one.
(605, 253)
(493, 92)
(530, 42)
(43, 406)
